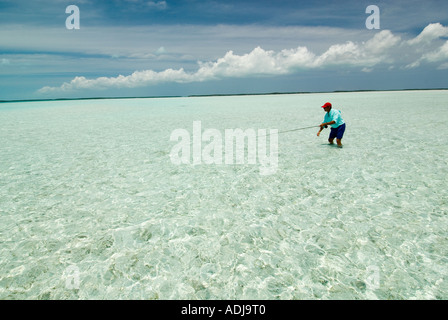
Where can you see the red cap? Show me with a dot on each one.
(328, 104)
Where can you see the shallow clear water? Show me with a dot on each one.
(93, 208)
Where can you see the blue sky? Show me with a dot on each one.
(166, 48)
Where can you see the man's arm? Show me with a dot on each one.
(321, 128)
(326, 124)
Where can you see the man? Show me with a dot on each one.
(333, 118)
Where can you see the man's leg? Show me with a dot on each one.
(332, 135)
(338, 141)
(340, 134)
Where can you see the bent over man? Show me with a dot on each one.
(333, 118)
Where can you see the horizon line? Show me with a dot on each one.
(218, 95)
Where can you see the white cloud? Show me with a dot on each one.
(161, 50)
(431, 32)
(443, 66)
(381, 42)
(136, 79)
(339, 54)
(366, 54)
(413, 65)
(438, 55)
(383, 48)
(257, 62)
(425, 41)
(160, 5)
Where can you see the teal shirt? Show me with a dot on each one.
(334, 115)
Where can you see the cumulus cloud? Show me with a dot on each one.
(136, 79)
(431, 32)
(439, 55)
(366, 54)
(422, 43)
(380, 49)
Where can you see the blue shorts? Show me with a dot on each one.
(338, 132)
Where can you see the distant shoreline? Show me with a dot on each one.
(220, 95)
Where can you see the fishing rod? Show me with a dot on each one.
(292, 130)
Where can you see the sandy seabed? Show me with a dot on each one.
(92, 207)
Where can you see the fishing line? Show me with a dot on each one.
(291, 130)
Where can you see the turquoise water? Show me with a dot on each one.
(92, 207)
